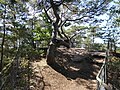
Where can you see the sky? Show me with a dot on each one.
(104, 17)
(98, 40)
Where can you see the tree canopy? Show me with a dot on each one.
(28, 28)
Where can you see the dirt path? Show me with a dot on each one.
(72, 69)
(54, 80)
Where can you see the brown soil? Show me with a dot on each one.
(74, 69)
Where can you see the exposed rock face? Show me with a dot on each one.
(55, 43)
(67, 58)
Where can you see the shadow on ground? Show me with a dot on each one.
(89, 71)
(66, 65)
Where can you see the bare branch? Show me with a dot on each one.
(48, 15)
(55, 10)
(60, 34)
(74, 35)
(63, 31)
(67, 7)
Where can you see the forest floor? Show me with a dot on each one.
(70, 75)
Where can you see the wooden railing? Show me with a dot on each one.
(102, 76)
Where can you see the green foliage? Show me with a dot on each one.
(26, 31)
(117, 19)
(115, 62)
(99, 47)
(41, 33)
(118, 49)
(13, 1)
(2, 1)
(114, 68)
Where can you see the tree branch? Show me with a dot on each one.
(60, 34)
(48, 16)
(63, 31)
(55, 10)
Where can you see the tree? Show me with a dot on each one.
(77, 34)
(3, 37)
(32, 25)
(16, 40)
(110, 33)
(61, 12)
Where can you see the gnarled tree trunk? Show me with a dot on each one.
(54, 42)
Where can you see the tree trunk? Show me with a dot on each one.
(114, 46)
(2, 50)
(52, 48)
(108, 45)
(28, 81)
(3, 40)
(51, 54)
